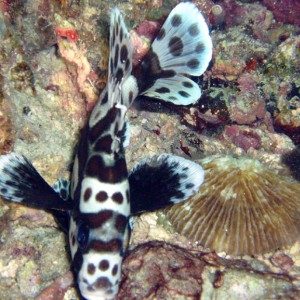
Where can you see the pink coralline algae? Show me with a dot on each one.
(77, 56)
(247, 110)
(149, 29)
(286, 11)
(229, 69)
(244, 139)
(141, 46)
(72, 101)
(234, 13)
(248, 82)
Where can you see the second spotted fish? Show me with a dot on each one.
(95, 206)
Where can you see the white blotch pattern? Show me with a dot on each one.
(86, 278)
(94, 206)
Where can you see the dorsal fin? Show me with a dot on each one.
(120, 58)
(119, 69)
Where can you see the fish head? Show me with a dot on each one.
(96, 261)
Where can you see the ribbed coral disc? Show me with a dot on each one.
(243, 208)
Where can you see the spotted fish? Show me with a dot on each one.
(94, 207)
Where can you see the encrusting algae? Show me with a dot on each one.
(243, 208)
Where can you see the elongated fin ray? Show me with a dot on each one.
(20, 182)
(163, 180)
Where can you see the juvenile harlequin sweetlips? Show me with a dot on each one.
(96, 205)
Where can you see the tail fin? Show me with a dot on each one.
(21, 182)
(163, 180)
(182, 47)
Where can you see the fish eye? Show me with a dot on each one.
(82, 235)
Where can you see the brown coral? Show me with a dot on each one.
(243, 208)
(22, 76)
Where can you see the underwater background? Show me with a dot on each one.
(244, 130)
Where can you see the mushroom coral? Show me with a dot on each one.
(243, 208)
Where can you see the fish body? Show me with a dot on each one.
(96, 205)
(98, 232)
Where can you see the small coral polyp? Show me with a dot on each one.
(243, 208)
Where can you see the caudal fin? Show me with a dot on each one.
(163, 180)
(20, 182)
(183, 47)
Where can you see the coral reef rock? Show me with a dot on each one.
(158, 270)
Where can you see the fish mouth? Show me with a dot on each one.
(90, 292)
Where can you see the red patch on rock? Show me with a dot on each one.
(70, 34)
(244, 139)
(149, 29)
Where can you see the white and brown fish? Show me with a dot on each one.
(96, 205)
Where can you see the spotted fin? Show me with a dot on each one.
(179, 90)
(163, 180)
(20, 182)
(183, 43)
(119, 69)
(120, 59)
(183, 47)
